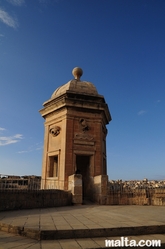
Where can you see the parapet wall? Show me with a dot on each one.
(137, 197)
(25, 199)
(101, 192)
(105, 193)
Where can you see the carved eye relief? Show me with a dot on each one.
(55, 131)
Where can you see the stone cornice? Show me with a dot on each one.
(77, 101)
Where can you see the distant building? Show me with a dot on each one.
(136, 184)
(20, 182)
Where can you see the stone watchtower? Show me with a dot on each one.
(75, 136)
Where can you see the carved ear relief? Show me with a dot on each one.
(84, 124)
(55, 131)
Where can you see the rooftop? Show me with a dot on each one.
(76, 85)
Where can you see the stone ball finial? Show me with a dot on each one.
(77, 73)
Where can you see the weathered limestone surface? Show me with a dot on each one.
(100, 189)
(24, 199)
(75, 186)
(136, 197)
(75, 116)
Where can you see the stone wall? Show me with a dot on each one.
(136, 197)
(101, 194)
(105, 193)
(25, 199)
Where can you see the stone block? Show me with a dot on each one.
(77, 199)
(77, 190)
(75, 186)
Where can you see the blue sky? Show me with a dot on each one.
(119, 44)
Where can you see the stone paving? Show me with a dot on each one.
(85, 217)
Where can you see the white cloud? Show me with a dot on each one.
(1, 35)
(10, 140)
(18, 136)
(142, 112)
(37, 146)
(2, 129)
(7, 19)
(16, 2)
(23, 151)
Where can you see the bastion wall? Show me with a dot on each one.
(104, 194)
(27, 199)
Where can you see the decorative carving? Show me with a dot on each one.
(55, 131)
(83, 136)
(84, 124)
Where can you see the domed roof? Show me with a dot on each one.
(76, 85)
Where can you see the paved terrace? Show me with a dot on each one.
(79, 227)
